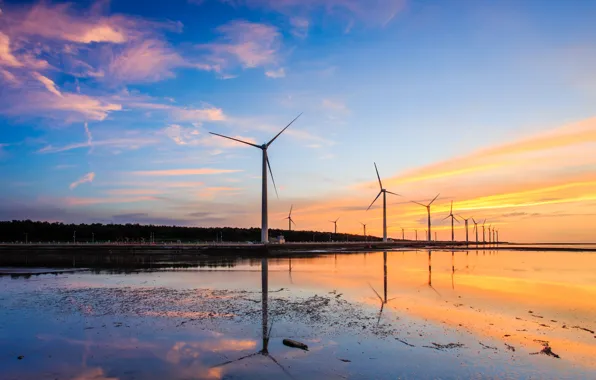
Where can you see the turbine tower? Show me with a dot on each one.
(364, 225)
(290, 220)
(483, 235)
(265, 165)
(489, 234)
(428, 212)
(335, 223)
(452, 219)
(384, 192)
(466, 224)
(476, 230)
(403, 234)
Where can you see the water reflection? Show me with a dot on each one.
(384, 300)
(265, 327)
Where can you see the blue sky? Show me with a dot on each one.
(103, 102)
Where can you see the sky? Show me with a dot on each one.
(105, 109)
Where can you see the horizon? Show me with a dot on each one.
(105, 111)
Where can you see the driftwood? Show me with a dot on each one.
(295, 344)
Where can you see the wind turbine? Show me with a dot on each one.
(403, 234)
(364, 225)
(489, 234)
(452, 219)
(466, 223)
(416, 234)
(476, 230)
(266, 164)
(497, 236)
(290, 220)
(335, 223)
(428, 212)
(384, 192)
(494, 235)
(483, 235)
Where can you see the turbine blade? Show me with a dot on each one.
(457, 220)
(337, 219)
(418, 203)
(291, 207)
(446, 217)
(373, 202)
(282, 131)
(373, 289)
(434, 199)
(292, 220)
(272, 179)
(391, 192)
(232, 361)
(474, 220)
(378, 176)
(240, 141)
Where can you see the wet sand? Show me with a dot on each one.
(411, 314)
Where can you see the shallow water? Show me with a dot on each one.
(410, 315)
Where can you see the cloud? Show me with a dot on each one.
(370, 12)
(194, 137)
(117, 142)
(108, 200)
(150, 60)
(210, 192)
(558, 145)
(244, 44)
(87, 178)
(134, 192)
(6, 57)
(183, 172)
(69, 106)
(48, 83)
(299, 26)
(57, 22)
(198, 114)
(275, 74)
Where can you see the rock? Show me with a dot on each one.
(20, 357)
(295, 344)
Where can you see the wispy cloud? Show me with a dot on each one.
(6, 56)
(194, 137)
(244, 44)
(209, 192)
(133, 142)
(276, 74)
(48, 83)
(371, 12)
(183, 172)
(87, 178)
(72, 201)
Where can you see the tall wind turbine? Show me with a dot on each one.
(476, 230)
(494, 235)
(466, 222)
(489, 234)
(266, 164)
(335, 223)
(428, 212)
(384, 192)
(290, 220)
(483, 235)
(364, 225)
(403, 234)
(452, 219)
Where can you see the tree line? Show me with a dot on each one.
(37, 231)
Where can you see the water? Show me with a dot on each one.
(410, 315)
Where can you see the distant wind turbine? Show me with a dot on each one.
(384, 192)
(266, 164)
(428, 212)
(452, 219)
(335, 223)
(416, 234)
(489, 234)
(290, 220)
(497, 236)
(483, 235)
(364, 225)
(466, 223)
(476, 230)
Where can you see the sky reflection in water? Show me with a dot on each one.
(363, 315)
